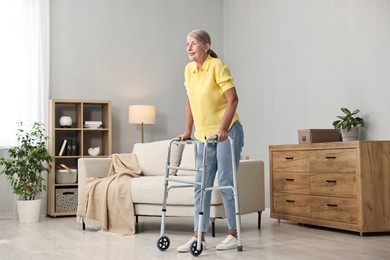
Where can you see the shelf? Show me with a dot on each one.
(78, 140)
(65, 184)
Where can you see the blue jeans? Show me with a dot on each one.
(218, 159)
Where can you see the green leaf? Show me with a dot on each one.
(346, 111)
(27, 161)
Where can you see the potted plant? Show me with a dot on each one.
(348, 125)
(24, 166)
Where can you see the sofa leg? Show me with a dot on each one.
(136, 219)
(212, 227)
(83, 224)
(259, 220)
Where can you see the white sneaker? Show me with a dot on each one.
(186, 247)
(230, 242)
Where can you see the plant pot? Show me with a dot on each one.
(351, 135)
(28, 210)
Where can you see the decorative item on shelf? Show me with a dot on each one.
(65, 121)
(93, 124)
(66, 199)
(94, 151)
(142, 114)
(65, 175)
(28, 182)
(348, 125)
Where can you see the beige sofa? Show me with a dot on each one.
(147, 191)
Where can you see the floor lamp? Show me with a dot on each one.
(142, 114)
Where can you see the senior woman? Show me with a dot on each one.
(211, 107)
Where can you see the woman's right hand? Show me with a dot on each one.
(184, 136)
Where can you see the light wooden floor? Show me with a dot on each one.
(62, 238)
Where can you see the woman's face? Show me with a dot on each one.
(196, 50)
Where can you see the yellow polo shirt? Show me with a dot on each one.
(205, 88)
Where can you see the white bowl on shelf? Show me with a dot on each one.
(65, 121)
(64, 176)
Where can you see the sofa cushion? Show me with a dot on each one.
(176, 157)
(152, 157)
(150, 190)
(187, 160)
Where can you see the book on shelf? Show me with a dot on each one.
(74, 147)
(93, 124)
(62, 149)
(69, 147)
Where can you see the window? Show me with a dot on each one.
(23, 65)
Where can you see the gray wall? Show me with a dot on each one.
(295, 63)
(130, 52)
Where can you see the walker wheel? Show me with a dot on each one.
(163, 243)
(193, 248)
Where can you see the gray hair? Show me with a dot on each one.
(203, 37)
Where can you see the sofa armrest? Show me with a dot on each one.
(250, 180)
(92, 167)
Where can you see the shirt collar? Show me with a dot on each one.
(205, 66)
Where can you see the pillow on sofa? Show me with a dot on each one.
(152, 157)
(176, 156)
(187, 160)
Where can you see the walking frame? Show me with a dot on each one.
(196, 247)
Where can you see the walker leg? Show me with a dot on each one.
(238, 223)
(236, 195)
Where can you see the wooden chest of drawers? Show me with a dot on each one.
(344, 185)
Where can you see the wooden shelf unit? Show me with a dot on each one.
(82, 138)
(342, 185)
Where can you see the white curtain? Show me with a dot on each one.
(24, 63)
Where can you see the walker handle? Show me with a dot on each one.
(212, 139)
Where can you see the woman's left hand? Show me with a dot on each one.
(222, 135)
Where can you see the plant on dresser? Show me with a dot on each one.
(343, 185)
(348, 124)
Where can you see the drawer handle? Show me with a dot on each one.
(330, 157)
(289, 158)
(331, 205)
(290, 201)
(331, 181)
(288, 179)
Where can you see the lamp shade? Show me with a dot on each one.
(142, 114)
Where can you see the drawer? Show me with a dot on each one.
(334, 209)
(333, 161)
(290, 182)
(290, 204)
(337, 185)
(291, 161)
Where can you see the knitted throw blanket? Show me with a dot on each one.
(106, 203)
